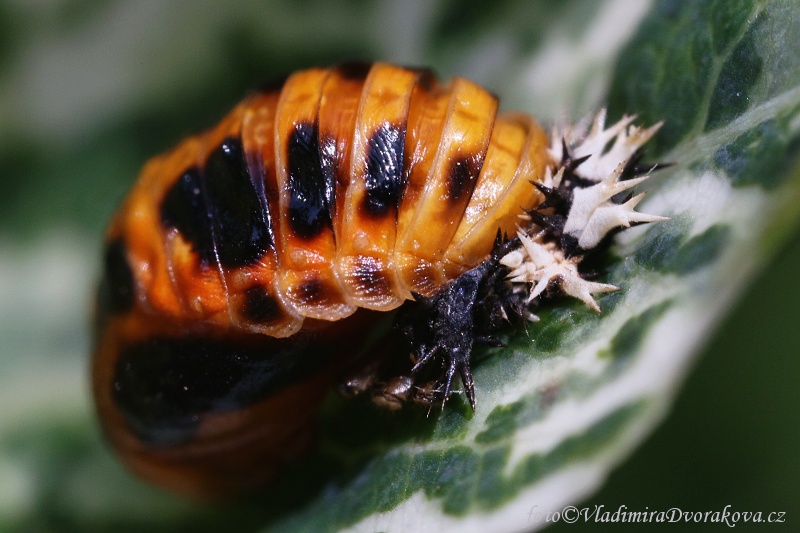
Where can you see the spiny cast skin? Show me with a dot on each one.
(488, 296)
(246, 264)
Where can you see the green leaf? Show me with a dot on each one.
(560, 407)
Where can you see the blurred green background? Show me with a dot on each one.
(90, 89)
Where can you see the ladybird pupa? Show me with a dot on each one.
(246, 264)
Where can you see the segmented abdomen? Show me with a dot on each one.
(344, 188)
